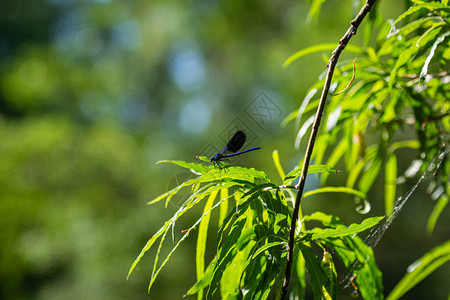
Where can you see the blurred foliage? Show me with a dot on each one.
(92, 93)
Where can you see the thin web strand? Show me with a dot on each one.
(377, 232)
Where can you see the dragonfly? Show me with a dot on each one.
(232, 148)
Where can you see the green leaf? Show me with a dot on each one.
(232, 176)
(389, 110)
(420, 269)
(439, 40)
(359, 259)
(429, 6)
(325, 219)
(198, 168)
(301, 275)
(371, 171)
(336, 155)
(415, 44)
(148, 245)
(175, 190)
(241, 233)
(316, 274)
(262, 270)
(204, 281)
(276, 162)
(292, 116)
(319, 48)
(155, 274)
(255, 192)
(388, 46)
(341, 231)
(390, 183)
(203, 158)
(302, 131)
(267, 246)
(162, 233)
(353, 140)
(320, 148)
(368, 276)
(371, 152)
(294, 174)
(202, 236)
(314, 11)
(412, 144)
(441, 203)
(223, 208)
(327, 264)
(339, 189)
(304, 107)
(229, 284)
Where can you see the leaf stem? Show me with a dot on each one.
(354, 24)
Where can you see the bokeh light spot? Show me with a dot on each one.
(186, 69)
(195, 116)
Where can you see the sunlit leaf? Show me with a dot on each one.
(420, 269)
(155, 273)
(202, 236)
(325, 219)
(319, 48)
(267, 246)
(316, 274)
(336, 189)
(241, 234)
(276, 162)
(302, 131)
(413, 144)
(292, 175)
(149, 244)
(439, 40)
(429, 6)
(356, 170)
(301, 275)
(314, 11)
(371, 172)
(330, 288)
(341, 231)
(223, 208)
(390, 185)
(438, 208)
(199, 168)
(204, 281)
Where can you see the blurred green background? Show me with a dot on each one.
(93, 93)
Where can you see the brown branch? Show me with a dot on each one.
(315, 128)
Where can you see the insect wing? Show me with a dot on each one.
(236, 142)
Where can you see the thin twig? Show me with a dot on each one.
(315, 128)
(350, 83)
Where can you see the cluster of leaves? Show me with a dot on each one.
(252, 237)
(394, 90)
(401, 86)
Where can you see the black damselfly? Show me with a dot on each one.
(231, 148)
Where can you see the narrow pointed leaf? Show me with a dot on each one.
(294, 174)
(344, 231)
(438, 208)
(336, 189)
(320, 48)
(420, 269)
(202, 236)
(276, 162)
(390, 185)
